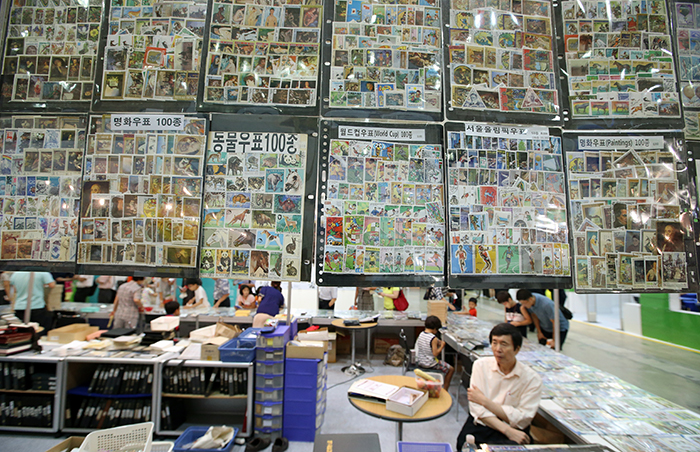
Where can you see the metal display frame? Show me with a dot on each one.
(524, 281)
(329, 131)
(574, 123)
(146, 270)
(459, 114)
(687, 209)
(285, 124)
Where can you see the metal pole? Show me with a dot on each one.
(557, 344)
(289, 304)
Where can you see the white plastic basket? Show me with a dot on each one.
(119, 439)
(162, 446)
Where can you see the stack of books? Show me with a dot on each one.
(15, 339)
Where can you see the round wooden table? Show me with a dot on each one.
(338, 323)
(433, 408)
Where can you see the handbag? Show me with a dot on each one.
(428, 293)
(400, 302)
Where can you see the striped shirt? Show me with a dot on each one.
(424, 350)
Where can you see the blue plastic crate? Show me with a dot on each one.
(295, 381)
(276, 339)
(235, 351)
(249, 336)
(193, 433)
(303, 366)
(405, 446)
(300, 434)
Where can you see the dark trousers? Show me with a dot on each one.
(550, 335)
(324, 304)
(106, 296)
(82, 294)
(41, 316)
(483, 434)
(226, 303)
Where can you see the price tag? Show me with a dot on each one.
(147, 123)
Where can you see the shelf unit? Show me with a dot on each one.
(77, 374)
(41, 364)
(305, 389)
(203, 410)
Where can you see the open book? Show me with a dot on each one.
(372, 390)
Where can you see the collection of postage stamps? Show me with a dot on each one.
(51, 50)
(254, 205)
(41, 169)
(489, 199)
(384, 208)
(153, 50)
(625, 214)
(507, 204)
(142, 195)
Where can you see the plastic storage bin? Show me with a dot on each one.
(269, 395)
(269, 381)
(268, 408)
(249, 336)
(268, 433)
(269, 354)
(273, 422)
(235, 351)
(277, 339)
(193, 433)
(136, 436)
(269, 367)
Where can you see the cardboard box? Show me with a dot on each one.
(306, 349)
(210, 348)
(69, 444)
(320, 334)
(407, 401)
(70, 333)
(332, 349)
(382, 344)
(343, 344)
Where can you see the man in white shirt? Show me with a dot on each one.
(504, 394)
(83, 288)
(327, 297)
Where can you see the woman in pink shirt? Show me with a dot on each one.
(246, 300)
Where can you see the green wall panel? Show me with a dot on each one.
(660, 323)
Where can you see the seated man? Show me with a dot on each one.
(504, 394)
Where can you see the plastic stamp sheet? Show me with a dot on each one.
(507, 202)
(501, 56)
(253, 205)
(264, 52)
(153, 50)
(41, 168)
(626, 213)
(386, 55)
(619, 59)
(142, 193)
(51, 49)
(384, 209)
(687, 24)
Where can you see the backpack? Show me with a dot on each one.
(400, 302)
(395, 356)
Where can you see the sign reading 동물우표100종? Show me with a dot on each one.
(626, 213)
(40, 181)
(153, 50)
(501, 57)
(254, 205)
(384, 207)
(50, 50)
(619, 60)
(507, 204)
(141, 202)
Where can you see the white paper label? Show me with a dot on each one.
(378, 133)
(489, 130)
(620, 143)
(147, 123)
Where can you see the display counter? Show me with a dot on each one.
(588, 405)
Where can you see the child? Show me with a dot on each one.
(172, 308)
(428, 347)
(200, 300)
(472, 307)
(516, 314)
(149, 297)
